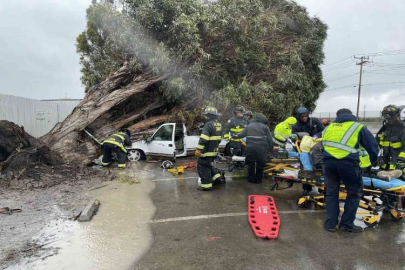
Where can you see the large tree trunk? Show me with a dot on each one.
(122, 100)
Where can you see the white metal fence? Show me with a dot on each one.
(37, 116)
(362, 115)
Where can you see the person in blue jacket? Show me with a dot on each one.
(311, 125)
(342, 142)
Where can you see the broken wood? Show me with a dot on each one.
(101, 113)
(89, 211)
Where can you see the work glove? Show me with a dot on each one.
(294, 137)
(197, 153)
(380, 162)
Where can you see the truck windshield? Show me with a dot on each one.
(165, 133)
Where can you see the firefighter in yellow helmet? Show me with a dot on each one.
(283, 130)
(207, 149)
(233, 127)
(391, 139)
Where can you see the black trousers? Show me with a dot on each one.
(351, 176)
(205, 171)
(238, 148)
(256, 161)
(108, 149)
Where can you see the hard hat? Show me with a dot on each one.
(262, 118)
(390, 111)
(248, 112)
(239, 108)
(167, 164)
(126, 131)
(210, 110)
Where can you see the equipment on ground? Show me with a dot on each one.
(177, 170)
(91, 136)
(263, 216)
(167, 164)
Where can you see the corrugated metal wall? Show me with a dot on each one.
(38, 117)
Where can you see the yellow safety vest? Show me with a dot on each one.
(364, 158)
(340, 139)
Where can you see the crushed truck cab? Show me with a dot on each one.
(169, 140)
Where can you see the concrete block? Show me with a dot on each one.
(89, 211)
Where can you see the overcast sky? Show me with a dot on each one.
(38, 57)
(362, 27)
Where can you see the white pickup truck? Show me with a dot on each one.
(169, 140)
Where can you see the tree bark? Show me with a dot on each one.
(101, 110)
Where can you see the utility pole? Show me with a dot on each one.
(363, 60)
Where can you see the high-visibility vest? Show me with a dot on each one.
(364, 158)
(340, 139)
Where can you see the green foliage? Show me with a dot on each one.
(264, 54)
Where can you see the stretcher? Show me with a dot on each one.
(263, 216)
(378, 195)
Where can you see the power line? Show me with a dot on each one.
(328, 65)
(344, 77)
(396, 74)
(342, 87)
(338, 65)
(384, 53)
(383, 83)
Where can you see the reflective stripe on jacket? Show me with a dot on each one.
(120, 139)
(364, 158)
(210, 138)
(341, 139)
(234, 126)
(391, 139)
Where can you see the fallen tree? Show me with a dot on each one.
(145, 63)
(20, 152)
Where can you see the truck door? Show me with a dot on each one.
(179, 140)
(162, 143)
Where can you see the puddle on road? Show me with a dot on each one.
(115, 238)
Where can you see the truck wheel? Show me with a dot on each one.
(135, 155)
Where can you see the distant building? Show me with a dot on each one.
(37, 116)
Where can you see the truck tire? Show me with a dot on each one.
(136, 155)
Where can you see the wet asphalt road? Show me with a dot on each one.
(186, 236)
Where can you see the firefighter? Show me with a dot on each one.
(344, 142)
(235, 126)
(283, 130)
(311, 125)
(248, 116)
(391, 139)
(116, 144)
(207, 149)
(259, 143)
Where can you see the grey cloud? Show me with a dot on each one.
(38, 55)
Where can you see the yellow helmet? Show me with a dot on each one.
(210, 110)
